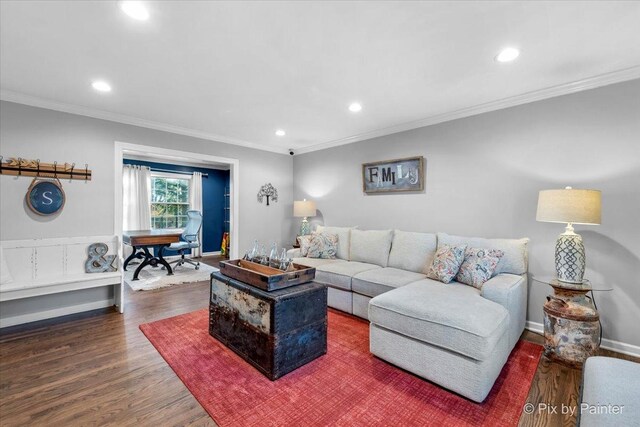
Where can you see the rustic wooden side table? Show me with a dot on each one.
(572, 329)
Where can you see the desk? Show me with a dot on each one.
(142, 240)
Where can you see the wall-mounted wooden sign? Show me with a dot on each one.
(393, 175)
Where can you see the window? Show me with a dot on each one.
(169, 201)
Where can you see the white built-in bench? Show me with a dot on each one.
(51, 266)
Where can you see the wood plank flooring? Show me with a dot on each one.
(555, 385)
(99, 369)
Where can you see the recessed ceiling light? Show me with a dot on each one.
(508, 54)
(101, 86)
(280, 132)
(355, 107)
(135, 9)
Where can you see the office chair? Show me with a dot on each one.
(189, 239)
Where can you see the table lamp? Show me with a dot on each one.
(303, 209)
(570, 206)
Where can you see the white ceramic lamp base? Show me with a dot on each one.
(570, 256)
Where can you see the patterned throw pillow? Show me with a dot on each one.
(478, 266)
(323, 245)
(446, 263)
(304, 242)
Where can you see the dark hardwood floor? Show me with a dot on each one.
(99, 369)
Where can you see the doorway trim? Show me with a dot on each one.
(234, 186)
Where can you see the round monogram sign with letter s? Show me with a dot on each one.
(45, 197)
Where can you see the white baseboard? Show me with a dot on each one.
(617, 346)
(214, 253)
(56, 312)
(534, 327)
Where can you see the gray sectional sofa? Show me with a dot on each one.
(452, 334)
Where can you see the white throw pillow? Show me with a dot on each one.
(514, 260)
(5, 274)
(344, 238)
(371, 246)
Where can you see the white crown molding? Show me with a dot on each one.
(617, 346)
(21, 98)
(525, 98)
(162, 159)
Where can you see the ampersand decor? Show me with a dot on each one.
(99, 261)
(269, 191)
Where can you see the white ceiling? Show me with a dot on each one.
(237, 71)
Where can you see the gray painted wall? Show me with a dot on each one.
(36, 133)
(483, 174)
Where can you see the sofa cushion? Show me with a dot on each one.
(372, 283)
(323, 245)
(453, 316)
(412, 251)
(478, 266)
(339, 274)
(371, 246)
(446, 263)
(344, 238)
(610, 381)
(514, 260)
(315, 262)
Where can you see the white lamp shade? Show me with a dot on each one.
(304, 208)
(569, 206)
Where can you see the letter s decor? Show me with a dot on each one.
(45, 196)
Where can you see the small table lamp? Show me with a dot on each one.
(303, 209)
(573, 207)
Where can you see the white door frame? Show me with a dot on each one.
(234, 186)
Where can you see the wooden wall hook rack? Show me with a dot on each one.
(25, 167)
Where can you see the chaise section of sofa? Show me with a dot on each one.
(447, 334)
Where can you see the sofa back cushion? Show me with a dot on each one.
(371, 246)
(344, 237)
(412, 251)
(514, 261)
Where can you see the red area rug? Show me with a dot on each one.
(346, 387)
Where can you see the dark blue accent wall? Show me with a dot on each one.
(213, 200)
